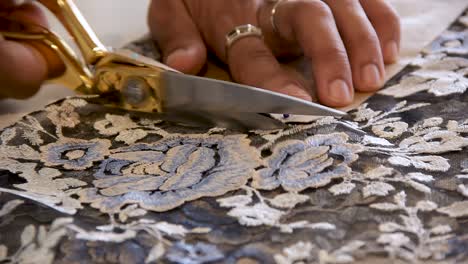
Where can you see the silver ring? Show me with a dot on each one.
(240, 32)
(273, 13)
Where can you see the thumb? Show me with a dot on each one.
(24, 65)
(176, 34)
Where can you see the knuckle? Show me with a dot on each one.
(348, 4)
(387, 18)
(308, 8)
(258, 53)
(365, 38)
(250, 49)
(336, 55)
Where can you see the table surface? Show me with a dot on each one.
(421, 24)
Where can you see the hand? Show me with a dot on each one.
(23, 66)
(347, 42)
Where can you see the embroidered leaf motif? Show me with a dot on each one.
(155, 253)
(390, 227)
(418, 186)
(114, 124)
(9, 207)
(341, 255)
(370, 140)
(31, 131)
(430, 242)
(7, 135)
(379, 172)
(50, 201)
(457, 209)
(441, 230)
(290, 227)
(372, 117)
(400, 161)
(131, 211)
(131, 136)
(385, 206)
(421, 177)
(435, 142)
(378, 189)
(463, 190)
(3, 252)
(28, 235)
(439, 76)
(288, 200)
(394, 240)
(235, 201)
(256, 215)
(38, 244)
(103, 236)
(44, 186)
(171, 229)
(22, 152)
(430, 163)
(426, 206)
(342, 188)
(301, 251)
(364, 113)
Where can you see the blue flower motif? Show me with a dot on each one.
(75, 154)
(164, 175)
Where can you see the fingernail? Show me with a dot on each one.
(371, 76)
(391, 50)
(339, 91)
(297, 91)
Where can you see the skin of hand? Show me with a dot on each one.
(24, 66)
(347, 42)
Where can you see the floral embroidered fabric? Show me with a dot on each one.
(80, 183)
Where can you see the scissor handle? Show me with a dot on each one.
(120, 78)
(76, 73)
(71, 18)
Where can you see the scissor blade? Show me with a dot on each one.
(232, 120)
(202, 94)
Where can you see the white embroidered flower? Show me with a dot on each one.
(436, 142)
(439, 76)
(126, 130)
(257, 215)
(390, 130)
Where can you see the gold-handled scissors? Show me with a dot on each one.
(124, 79)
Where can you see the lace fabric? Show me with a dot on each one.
(87, 184)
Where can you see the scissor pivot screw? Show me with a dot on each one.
(135, 91)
